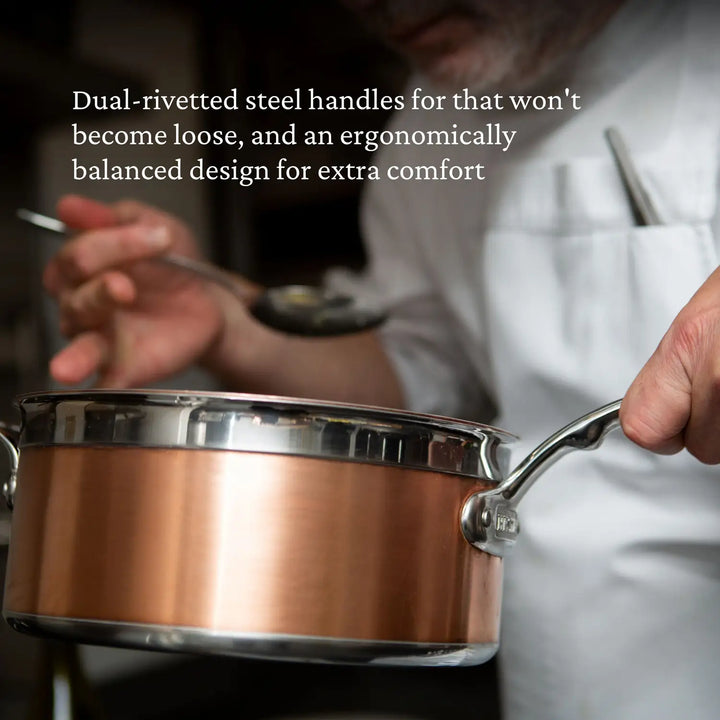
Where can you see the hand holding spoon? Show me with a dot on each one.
(293, 309)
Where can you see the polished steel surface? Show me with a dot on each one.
(489, 520)
(9, 440)
(249, 543)
(257, 645)
(295, 309)
(265, 424)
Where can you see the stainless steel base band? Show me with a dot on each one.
(252, 645)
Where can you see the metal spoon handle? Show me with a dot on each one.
(202, 269)
(209, 272)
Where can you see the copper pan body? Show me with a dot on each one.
(251, 525)
(248, 543)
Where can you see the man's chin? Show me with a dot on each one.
(462, 67)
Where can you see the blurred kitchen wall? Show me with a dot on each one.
(149, 46)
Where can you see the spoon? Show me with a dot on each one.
(293, 309)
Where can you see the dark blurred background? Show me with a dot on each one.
(273, 232)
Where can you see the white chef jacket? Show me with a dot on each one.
(532, 292)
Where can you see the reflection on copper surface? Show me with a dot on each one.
(242, 542)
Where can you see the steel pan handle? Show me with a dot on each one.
(489, 520)
(9, 435)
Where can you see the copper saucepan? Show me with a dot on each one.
(265, 526)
